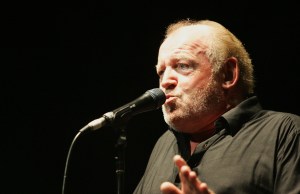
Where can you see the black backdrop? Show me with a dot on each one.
(65, 64)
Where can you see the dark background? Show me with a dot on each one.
(65, 64)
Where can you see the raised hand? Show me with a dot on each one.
(190, 183)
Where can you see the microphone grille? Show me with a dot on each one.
(158, 95)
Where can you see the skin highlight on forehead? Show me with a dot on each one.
(184, 44)
(192, 36)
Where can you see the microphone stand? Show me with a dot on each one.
(120, 159)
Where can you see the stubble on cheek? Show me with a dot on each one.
(194, 106)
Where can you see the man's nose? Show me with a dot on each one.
(169, 79)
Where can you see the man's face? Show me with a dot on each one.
(185, 75)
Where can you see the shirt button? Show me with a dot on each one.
(205, 146)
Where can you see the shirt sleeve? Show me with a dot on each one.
(287, 178)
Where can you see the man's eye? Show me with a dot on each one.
(160, 73)
(183, 66)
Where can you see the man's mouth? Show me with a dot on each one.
(170, 99)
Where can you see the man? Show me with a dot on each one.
(219, 137)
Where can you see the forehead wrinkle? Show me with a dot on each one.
(184, 52)
(188, 47)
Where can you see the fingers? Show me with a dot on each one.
(204, 189)
(179, 161)
(189, 180)
(185, 172)
(169, 188)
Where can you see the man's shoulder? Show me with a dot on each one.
(283, 121)
(281, 116)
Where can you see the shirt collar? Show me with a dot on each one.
(235, 118)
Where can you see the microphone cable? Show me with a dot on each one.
(67, 162)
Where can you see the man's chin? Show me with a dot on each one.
(172, 119)
(169, 108)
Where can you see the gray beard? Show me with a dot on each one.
(205, 102)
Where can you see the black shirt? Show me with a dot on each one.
(253, 151)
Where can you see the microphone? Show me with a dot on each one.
(150, 100)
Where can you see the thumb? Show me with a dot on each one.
(169, 188)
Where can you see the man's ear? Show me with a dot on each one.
(230, 73)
